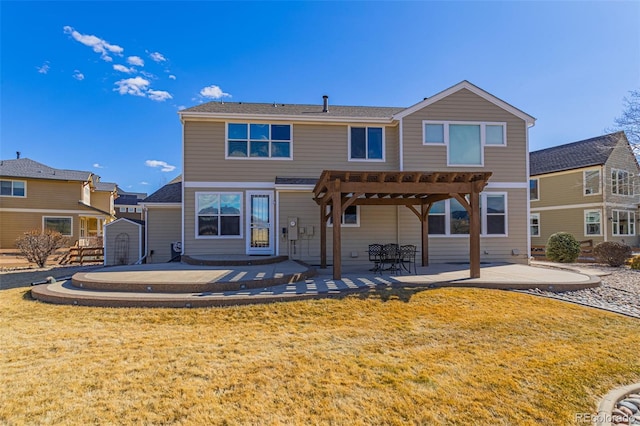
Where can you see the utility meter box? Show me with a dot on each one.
(292, 224)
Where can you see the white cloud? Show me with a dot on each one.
(213, 92)
(132, 86)
(148, 75)
(164, 167)
(172, 77)
(159, 95)
(97, 44)
(157, 56)
(181, 107)
(78, 75)
(44, 68)
(122, 68)
(97, 166)
(143, 183)
(135, 60)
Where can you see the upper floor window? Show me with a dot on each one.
(465, 142)
(591, 182)
(350, 217)
(449, 217)
(534, 224)
(624, 222)
(123, 209)
(63, 225)
(251, 140)
(13, 188)
(534, 189)
(366, 143)
(218, 214)
(621, 182)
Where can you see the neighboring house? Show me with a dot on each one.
(163, 216)
(249, 172)
(127, 204)
(36, 196)
(588, 188)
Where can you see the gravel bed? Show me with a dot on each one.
(619, 291)
(23, 277)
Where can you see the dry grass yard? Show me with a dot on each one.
(446, 356)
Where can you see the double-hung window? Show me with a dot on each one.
(449, 217)
(218, 214)
(624, 222)
(534, 224)
(621, 182)
(254, 140)
(534, 189)
(366, 143)
(465, 142)
(591, 180)
(350, 217)
(592, 222)
(63, 225)
(13, 188)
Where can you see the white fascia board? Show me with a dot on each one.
(294, 188)
(161, 205)
(122, 219)
(474, 89)
(507, 185)
(272, 117)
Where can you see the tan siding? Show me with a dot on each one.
(316, 147)
(115, 255)
(622, 159)
(565, 220)
(163, 228)
(45, 194)
(14, 224)
(378, 224)
(102, 200)
(563, 189)
(506, 163)
(492, 249)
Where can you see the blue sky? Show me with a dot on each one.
(97, 85)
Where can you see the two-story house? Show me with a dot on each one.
(259, 179)
(36, 196)
(588, 188)
(128, 206)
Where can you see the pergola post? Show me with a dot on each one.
(323, 235)
(336, 210)
(424, 221)
(474, 233)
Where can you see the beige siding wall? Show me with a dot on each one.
(14, 224)
(492, 248)
(506, 163)
(622, 159)
(162, 228)
(564, 189)
(378, 224)
(316, 147)
(114, 253)
(102, 200)
(45, 194)
(569, 220)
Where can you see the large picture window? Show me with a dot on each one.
(366, 143)
(218, 214)
(253, 140)
(621, 182)
(465, 142)
(13, 188)
(63, 225)
(449, 217)
(624, 222)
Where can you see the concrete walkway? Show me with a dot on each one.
(181, 285)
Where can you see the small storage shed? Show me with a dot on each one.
(123, 242)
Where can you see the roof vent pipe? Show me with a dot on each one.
(325, 103)
(18, 155)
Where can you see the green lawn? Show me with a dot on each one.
(444, 356)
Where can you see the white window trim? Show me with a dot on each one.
(586, 212)
(483, 219)
(537, 216)
(342, 224)
(584, 182)
(372, 160)
(218, 237)
(537, 185)
(630, 183)
(15, 196)
(614, 229)
(58, 217)
(248, 157)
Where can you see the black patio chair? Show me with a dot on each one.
(408, 256)
(375, 256)
(391, 257)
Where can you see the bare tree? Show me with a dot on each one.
(629, 121)
(37, 246)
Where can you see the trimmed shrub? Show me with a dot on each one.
(612, 253)
(37, 245)
(562, 247)
(634, 262)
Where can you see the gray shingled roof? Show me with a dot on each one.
(218, 107)
(585, 153)
(170, 193)
(27, 168)
(295, 181)
(105, 186)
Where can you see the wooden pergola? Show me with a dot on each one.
(415, 190)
